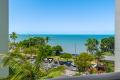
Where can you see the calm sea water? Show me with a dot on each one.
(73, 44)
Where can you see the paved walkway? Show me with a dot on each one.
(69, 72)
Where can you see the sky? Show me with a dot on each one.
(62, 16)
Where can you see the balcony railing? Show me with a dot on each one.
(105, 76)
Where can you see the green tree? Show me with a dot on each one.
(57, 50)
(13, 36)
(92, 45)
(107, 45)
(48, 50)
(30, 51)
(66, 56)
(22, 69)
(33, 41)
(109, 66)
(83, 61)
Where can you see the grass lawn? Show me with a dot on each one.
(56, 72)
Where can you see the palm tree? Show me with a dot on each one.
(107, 45)
(22, 69)
(92, 45)
(13, 36)
(33, 41)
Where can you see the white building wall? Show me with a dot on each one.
(3, 34)
(117, 37)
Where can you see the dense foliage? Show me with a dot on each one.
(57, 50)
(107, 45)
(33, 41)
(83, 61)
(66, 56)
(92, 45)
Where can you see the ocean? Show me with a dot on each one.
(73, 44)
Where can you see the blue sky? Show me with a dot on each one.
(62, 16)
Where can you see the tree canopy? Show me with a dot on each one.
(13, 36)
(83, 61)
(57, 50)
(92, 45)
(33, 41)
(66, 55)
(107, 45)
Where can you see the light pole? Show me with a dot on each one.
(75, 48)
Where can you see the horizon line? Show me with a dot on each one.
(60, 34)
